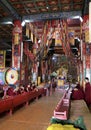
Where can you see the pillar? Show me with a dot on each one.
(86, 47)
(17, 49)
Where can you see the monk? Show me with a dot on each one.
(77, 93)
(10, 91)
(87, 92)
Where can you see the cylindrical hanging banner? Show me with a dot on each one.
(86, 28)
(2, 58)
(17, 32)
(16, 44)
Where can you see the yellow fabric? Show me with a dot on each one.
(55, 127)
(61, 127)
(60, 83)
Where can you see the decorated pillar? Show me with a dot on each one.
(35, 73)
(39, 72)
(86, 47)
(26, 64)
(17, 49)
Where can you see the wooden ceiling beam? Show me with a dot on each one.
(9, 8)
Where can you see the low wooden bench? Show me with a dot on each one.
(63, 107)
(20, 99)
(8, 104)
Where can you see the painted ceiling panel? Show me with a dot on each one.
(35, 10)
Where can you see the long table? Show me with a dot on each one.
(79, 108)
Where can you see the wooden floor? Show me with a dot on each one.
(79, 108)
(36, 116)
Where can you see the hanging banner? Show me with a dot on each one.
(27, 31)
(31, 37)
(86, 27)
(58, 41)
(84, 49)
(84, 62)
(2, 59)
(87, 62)
(16, 56)
(17, 32)
(16, 44)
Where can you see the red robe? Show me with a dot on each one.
(77, 94)
(10, 92)
(88, 93)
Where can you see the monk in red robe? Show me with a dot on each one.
(77, 93)
(87, 92)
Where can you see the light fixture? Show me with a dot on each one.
(47, 7)
(8, 22)
(77, 17)
(24, 22)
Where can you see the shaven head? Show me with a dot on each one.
(87, 79)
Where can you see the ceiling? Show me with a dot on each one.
(35, 10)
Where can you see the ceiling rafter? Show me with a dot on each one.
(9, 8)
(52, 15)
(5, 31)
(34, 1)
(24, 6)
(53, 6)
(47, 6)
(72, 4)
(36, 10)
(59, 4)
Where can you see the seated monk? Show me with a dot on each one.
(21, 89)
(16, 90)
(5, 89)
(34, 87)
(10, 91)
(28, 88)
(77, 93)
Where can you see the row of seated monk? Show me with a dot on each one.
(11, 91)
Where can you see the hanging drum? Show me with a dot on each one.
(11, 76)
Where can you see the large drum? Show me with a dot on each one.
(11, 76)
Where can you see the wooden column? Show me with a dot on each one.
(16, 46)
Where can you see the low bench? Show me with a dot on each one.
(8, 104)
(63, 107)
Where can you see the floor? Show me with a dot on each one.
(36, 116)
